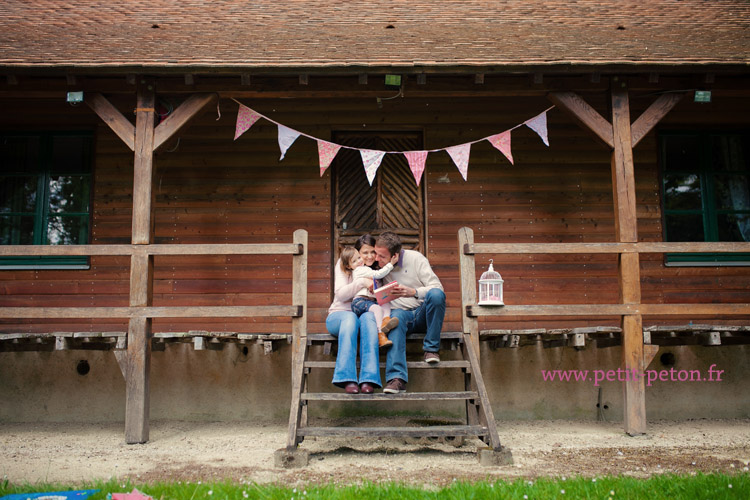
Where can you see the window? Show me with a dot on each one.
(45, 191)
(705, 192)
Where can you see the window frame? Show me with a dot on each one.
(45, 170)
(708, 211)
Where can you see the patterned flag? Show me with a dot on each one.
(287, 137)
(502, 142)
(57, 495)
(539, 125)
(326, 152)
(460, 155)
(416, 160)
(246, 118)
(371, 161)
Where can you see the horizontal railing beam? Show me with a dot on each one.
(609, 310)
(590, 248)
(151, 312)
(161, 249)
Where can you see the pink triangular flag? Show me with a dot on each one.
(287, 137)
(133, 495)
(246, 118)
(416, 160)
(502, 142)
(326, 152)
(460, 155)
(539, 125)
(371, 161)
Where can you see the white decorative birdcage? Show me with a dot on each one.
(491, 288)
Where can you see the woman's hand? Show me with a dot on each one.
(394, 258)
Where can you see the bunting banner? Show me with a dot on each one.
(539, 125)
(416, 160)
(502, 142)
(287, 137)
(371, 161)
(246, 118)
(326, 153)
(460, 156)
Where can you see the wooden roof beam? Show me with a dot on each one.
(584, 114)
(120, 125)
(653, 115)
(180, 117)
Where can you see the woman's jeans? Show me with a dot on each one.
(349, 329)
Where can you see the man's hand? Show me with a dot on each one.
(403, 291)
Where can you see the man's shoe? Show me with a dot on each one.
(352, 388)
(384, 341)
(366, 388)
(431, 357)
(394, 386)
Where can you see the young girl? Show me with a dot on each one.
(352, 264)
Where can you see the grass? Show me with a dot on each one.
(699, 486)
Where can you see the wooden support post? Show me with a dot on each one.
(626, 227)
(622, 138)
(141, 272)
(299, 337)
(470, 325)
(143, 164)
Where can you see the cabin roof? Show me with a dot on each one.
(436, 35)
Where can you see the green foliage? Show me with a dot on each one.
(688, 487)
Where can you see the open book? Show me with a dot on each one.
(383, 294)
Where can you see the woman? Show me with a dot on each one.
(350, 330)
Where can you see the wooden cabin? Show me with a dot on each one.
(137, 228)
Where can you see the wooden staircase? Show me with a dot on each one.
(479, 419)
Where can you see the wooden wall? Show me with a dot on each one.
(210, 188)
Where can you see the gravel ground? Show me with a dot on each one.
(242, 451)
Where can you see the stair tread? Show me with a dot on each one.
(428, 431)
(410, 337)
(404, 396)
(409, 364)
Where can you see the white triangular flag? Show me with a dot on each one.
(246, 118)
(502, 142)
(460, 155)
(371, 161)
(326, 153)
(416, 160)
(287, 137)
(539, 125)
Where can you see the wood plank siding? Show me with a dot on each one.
(210, 188)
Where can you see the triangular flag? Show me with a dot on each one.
(371, 161)
(287, 137)
(326, 152)
(416, 160)
(133, 495)
(502, 142)
(460, 155)
(539, 125)
(246, 118)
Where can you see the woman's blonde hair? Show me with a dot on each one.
(347, 254)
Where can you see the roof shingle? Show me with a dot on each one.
(371, 33)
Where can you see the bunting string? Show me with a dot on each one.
(371, 159)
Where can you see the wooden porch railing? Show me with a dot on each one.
(138, 359)
(636, 356)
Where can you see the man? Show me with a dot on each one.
(419, 307)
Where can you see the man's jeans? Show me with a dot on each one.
(349, 329)
(427, 318)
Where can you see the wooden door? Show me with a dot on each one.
(394, 201)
